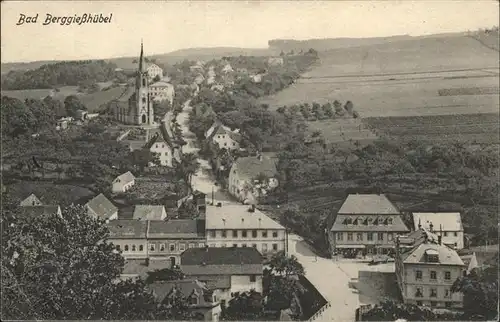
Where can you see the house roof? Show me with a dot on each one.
(221, 261)
(251, 167)
(447, 256)
(161, 84)
(138, 266)
(125, 228)
(217, 281)
(148, 212)
(102, 207)
(367, 204)
(177, 228)
(125, 177)
(34, 196)
(447, 221)
(397, 225)
(220, 129)
(187, 287)
(36, 211)
(238, 217)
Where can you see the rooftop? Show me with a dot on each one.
(368, 204)
(363, 223)
(124, 228)
(36, 211)
(125, 177)
(447, 221)
(102, 206)
(238, 217)
(251, 167)
(221, 261)
(187, 287)
(149, 212)
(177, 228)
(161, 84)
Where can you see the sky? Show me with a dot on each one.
(166, 26)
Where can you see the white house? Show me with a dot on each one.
(446, 224)
(224, 137)
(154, 70)
(123, 182)
(227, 69)
(162, 144)
(275, 61)
(227, 270)
(252, 177)
(100, 207)
(162, 91)
(149, 212)
(30, 200)
(243, 226)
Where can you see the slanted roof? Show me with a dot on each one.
(37, 211)
(138, 267)
(148, 212)
(447, 256)
(161, 84)
(397, 224)
(367, 204)
(102, 207)
(221, 261)
(238, 217)
(125, 228)
(447, 221)
(31, 195)
(187, 287)
(251, 167)
(176, 228)
(125, 178)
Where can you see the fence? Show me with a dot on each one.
(320, 311)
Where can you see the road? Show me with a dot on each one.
(336, 281)
(202, 180)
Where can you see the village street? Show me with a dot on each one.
(336, 281)
(202, 180)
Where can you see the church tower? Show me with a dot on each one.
(144, 105)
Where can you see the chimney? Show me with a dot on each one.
(259, 157)
(252, 208)
(147, 261)
(206, 247)
(419, 223)
(242, 220)
(219, 204)
(431, 227)
(440, 240)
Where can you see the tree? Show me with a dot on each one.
(338, 108)
(328, 110)
(288, 266)
(166, 274)
(349, 107)
(62, 267)
(143, 157)
(161, 108)
(391, 311)
(157, 78)
(480, 289)
(246, 306)
(72, 103)
(188, 166)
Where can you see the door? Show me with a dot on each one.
(172, 262)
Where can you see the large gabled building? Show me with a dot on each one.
(366, 224)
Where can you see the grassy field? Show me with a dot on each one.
(42, 93)
(401, 78)
(478, 128)
(343, 131)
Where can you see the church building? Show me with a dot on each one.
(138, 108)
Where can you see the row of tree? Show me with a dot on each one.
(320, 112)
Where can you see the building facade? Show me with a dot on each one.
(426, 270)
(447, 224)
(243, 226)
(224, 137)
(162, 91)
(129, 237)
(31, 200)
(138, 108)
(366, 224)
(153, 71)
(123, 182)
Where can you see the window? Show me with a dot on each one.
(191, 246)
(243, 233)
(447, 304)
(235, 233)
(447, 275)
(252, 278)
(340, 236)
(264, 234)
(390, 236)
(118, 247)
(133, 248)
(223, 245)
(144, 100)
(212, 245)
(125, 248)
(419, 303)
(233, 143)
(389, 221)
(418, 292)
(141, 248)
(359, 236)
(162, 247)
(200, 245)
(418, 275)
(218, 136)
(369, 236)
(156, 146)
(225, 144)
(275, 234)
(254, 233)
(380, 221)
(264, 248)
(433, 292)
(243, 245)
(432, 258)
(455, 234)
(275, 247)
(224, 234)
(445, 234)
(182, 247)
(172, 247)
(433, 275)
(193, 300)
(446, 293)
(349, 236)
(254, 246)
(380, 236)
(235, 245)
(152, 247)
(433, 303)
(212, 233)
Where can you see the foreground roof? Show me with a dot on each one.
(125, 228)
(125, 177)
(252, 166)
(36, 211)
(102, 207)
(176, 228)
(148, 212)
(187, 287)
(448, 221)
(221, 261)
(368, 204)
(238, 217)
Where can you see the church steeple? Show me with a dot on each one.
(141, 59)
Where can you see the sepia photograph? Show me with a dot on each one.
(250, 160)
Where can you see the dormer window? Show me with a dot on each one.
(432, 256)
(380, 221)
(389, 221)
(193, 300)
(355, 221)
